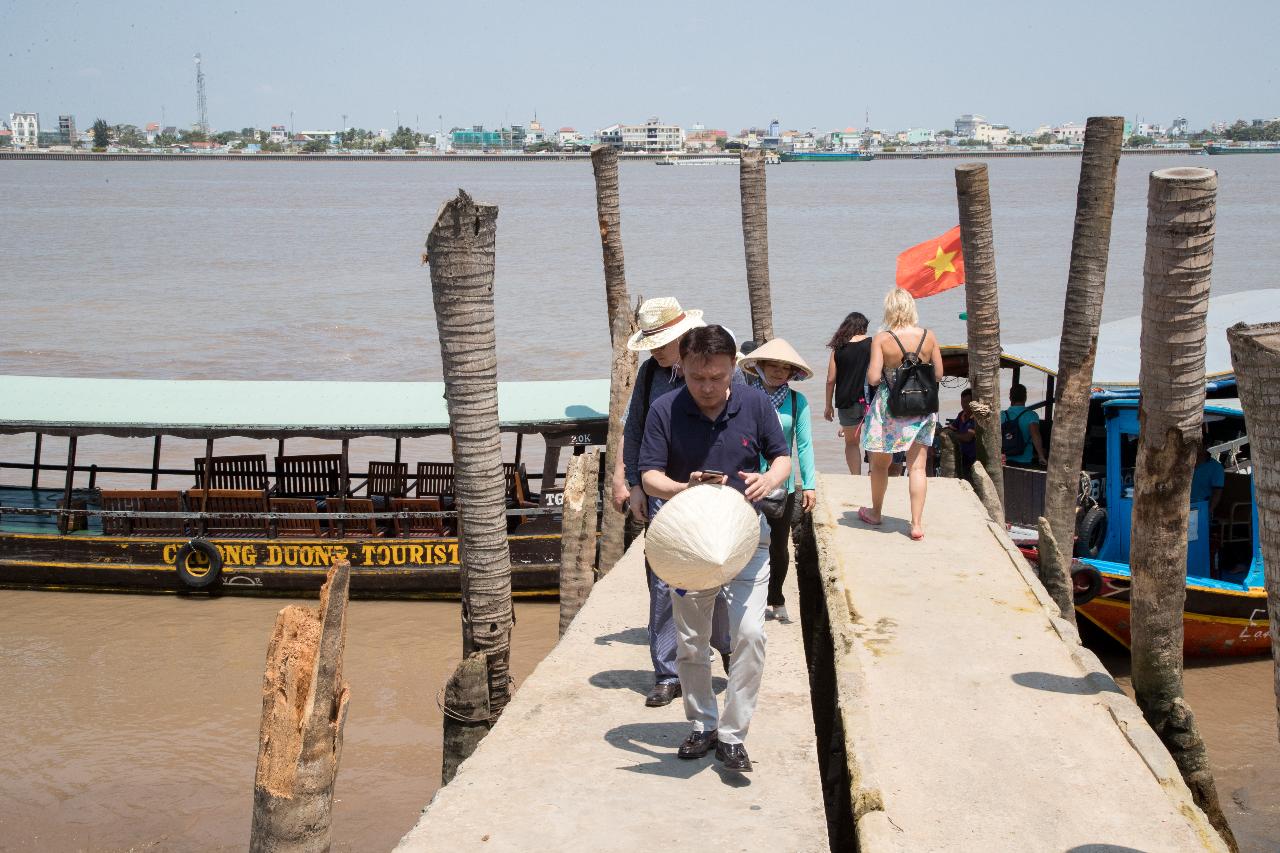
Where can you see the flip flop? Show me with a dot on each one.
(865, 517)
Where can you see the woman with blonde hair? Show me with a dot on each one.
(883, 434)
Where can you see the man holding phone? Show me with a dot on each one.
(712, 431)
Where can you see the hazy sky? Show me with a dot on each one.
(822, 65)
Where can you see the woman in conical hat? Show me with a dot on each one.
(772, 367)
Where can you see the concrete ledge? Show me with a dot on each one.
(578, 763)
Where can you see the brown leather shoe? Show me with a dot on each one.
(698, 744)
(734, 756)
(662, 694)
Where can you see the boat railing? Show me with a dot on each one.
(268, 516)
(1229, 454)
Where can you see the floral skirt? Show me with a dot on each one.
(883, 433)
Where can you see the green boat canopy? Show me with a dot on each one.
(214, 409)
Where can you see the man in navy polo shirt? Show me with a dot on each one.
(712, 431)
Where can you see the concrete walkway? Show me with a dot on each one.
(578, 763)
(973, 718)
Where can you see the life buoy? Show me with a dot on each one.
(1086, 583)
(201, 575)
(1091, 532)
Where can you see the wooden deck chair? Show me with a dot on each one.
(387, 480)
(419, 527)
(234, 472)
(434, 480)
(308, 476)
(354, 527)
(143, 501)
(293, 527)
(249, 505)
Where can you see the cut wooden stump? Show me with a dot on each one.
(578, 535)
(304, 708)
(466, 713)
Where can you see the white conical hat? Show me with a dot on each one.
(702, 538)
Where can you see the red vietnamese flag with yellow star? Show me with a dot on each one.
(933, 266)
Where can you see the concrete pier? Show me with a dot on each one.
(973, 719)
(579, 763)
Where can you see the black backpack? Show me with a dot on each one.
(1011, 441)
(913, 385)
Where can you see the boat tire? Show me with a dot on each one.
(200, 577)
(1091, 531)
(1086, 584)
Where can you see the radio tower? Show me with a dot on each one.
(202, 111)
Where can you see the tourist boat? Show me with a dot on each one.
(699, 161)
(238, 524)
(824, 156)
(1245, 148)
(1226, 609)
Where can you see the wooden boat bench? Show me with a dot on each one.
(143, 501)
(233, 472)
(297, 527)
(308, 476)
(419, 527)
(249, 505)
(353, 527)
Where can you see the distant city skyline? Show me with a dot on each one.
(498, 64)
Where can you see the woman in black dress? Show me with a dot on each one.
(846, 384)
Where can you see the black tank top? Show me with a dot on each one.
(851, 372)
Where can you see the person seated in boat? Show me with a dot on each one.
(663, 325)
(964, 429)
(1208, 478)
(1020, 431)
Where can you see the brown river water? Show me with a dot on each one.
(131, 721)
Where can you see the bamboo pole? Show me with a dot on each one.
(578, 535)
(1255, 357)
(461, 252)
(622, 381)
(604, 163)
(982, 307)
(304, 709)
(1086, 283)
(1181, 208)
(755, 237)
(466, 713)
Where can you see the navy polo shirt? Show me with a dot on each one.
(679, 439)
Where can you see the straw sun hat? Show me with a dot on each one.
(662, 321)
(776, 350)
(702, 538)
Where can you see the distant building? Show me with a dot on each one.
(1179, 127)
(966, 126)
(703, 138)
(993, 134)
(279, 134)
(652, 136)
(330, 136)
(26, 129)
(567, 137)
(67, 130)
(1069, 133)
(479, 139)
(794, 141)
(535, 135)
(1147, 129)
(918, 136)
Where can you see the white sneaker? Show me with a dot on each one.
(780, 613)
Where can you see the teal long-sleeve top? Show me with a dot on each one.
(797, 430)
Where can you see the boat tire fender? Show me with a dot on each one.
(200, 577)
(1086, 583)
(1091, 532)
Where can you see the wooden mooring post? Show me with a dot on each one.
(1255, 357)
(1086, 283)
(1181, 209)
(982, 307)
(461, 253)
(755, 237)
(304, 709)
(578, 535)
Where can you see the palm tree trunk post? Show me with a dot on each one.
(755, 236)
(1255, 356)
(460, 250)
(1181, 206)
(578, 535)
(304, 709)
(1086, 282)
(604, 163)
(985, 489)
(622, 380)
(466, 713)
(982, 305)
